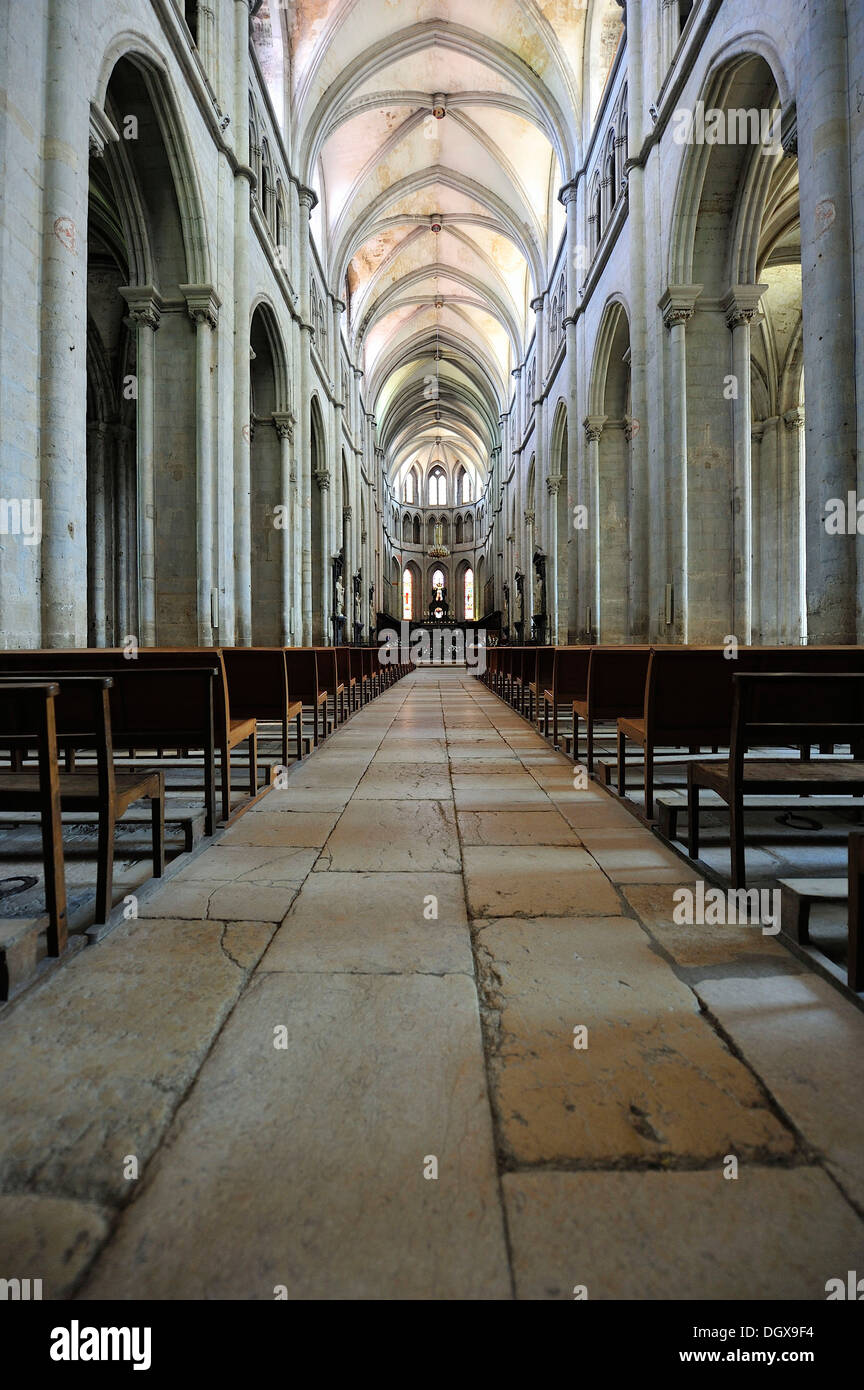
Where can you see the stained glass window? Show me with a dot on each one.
(469, 594)
(407, 594)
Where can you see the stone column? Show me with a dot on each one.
(244, 180)
(306, 202)
(589, 618)
(96, 434)
(122, 531)
(203, 302)
(575, 269)
(63, 302)
(284, 423)
(641, 512)
(677, 305)
(145, 311)
(741, 306)
(553, 483)
(793, 540)
(828, 295)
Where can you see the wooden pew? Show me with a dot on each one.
(789, 710)
(541, 679)
(569, 682)
(83, 722)
(615, 689)
(522, 660)
(230, 732)
(258, 689)
(305, 685)
(328, 674)
(29, 707)
(688, 703)
(345, 673)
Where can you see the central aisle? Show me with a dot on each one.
(342, 1045)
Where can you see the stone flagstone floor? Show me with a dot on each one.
(376, 975)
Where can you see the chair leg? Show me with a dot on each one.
(855, 956)
(555, 722)
(575, 737)
(736, 842)
(692, 818)
(300, 736)
(622, 765)
(253, 763)
(589, 743)
(226, 781)
(105, 869)
(649, 782)
(55, 877)
(157, 816)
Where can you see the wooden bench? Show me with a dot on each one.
(345, 673)
(569, 682)
(29, 707)
(328, 675)
(615, 689)
(777, 710)
(229, 731)
(83, 722)
(301, 664)
(152, 707)
(540, 680)
(258, 689)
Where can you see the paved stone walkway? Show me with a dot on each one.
(375, 977)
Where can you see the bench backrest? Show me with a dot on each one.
(794, 709)
(113, 659)
(616, 681)
(570, 673)
(257, 682)
(301, 664)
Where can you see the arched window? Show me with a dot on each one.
(466, 488)
(469, 528)
(408, 489)
(190, 14)
(407, 594)
(684, 8)
(469, 593)
(438, 488)
(458, 530)
(438, 580)
(406, 528)
(265, 181)
(416, 530)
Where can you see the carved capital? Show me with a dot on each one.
(347, 513)
(678, 302)
(553, 483)
(202, 303)
(322, 477)
(145, 305)
(530, 518)
(593, 425)
(794, 419)
(741, 304)
(284, 422)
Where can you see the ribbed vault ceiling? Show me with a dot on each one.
(438, 229)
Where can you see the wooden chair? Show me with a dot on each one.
(569, 682)
(258, 688)
(29, 707)
(615, 689)
(688, 703)
(301, 664)
(83, 722)
(540, 680)
(786, 710)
